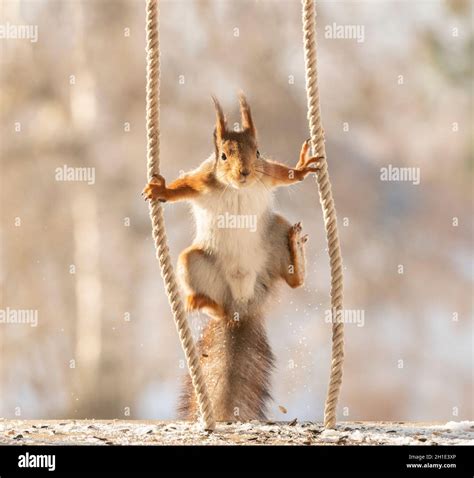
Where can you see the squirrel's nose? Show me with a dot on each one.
(245, 172)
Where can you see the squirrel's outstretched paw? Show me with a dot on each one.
(308, 164)
(155, 189)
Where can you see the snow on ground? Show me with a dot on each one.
(464, 425)
(139, 432)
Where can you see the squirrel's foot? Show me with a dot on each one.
(206, 304)
(155, 189)
(295, 274)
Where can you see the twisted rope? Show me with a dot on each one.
(156, 214)
(329, 211)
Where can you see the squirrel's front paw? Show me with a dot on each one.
(155, 189)
(307, 164)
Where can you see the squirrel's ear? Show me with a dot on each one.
(246, 114)
(220, 119)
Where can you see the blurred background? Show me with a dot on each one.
(80, 253)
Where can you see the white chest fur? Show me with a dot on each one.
(232, 224)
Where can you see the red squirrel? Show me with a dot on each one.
(241, 250)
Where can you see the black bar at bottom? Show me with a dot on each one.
(406, 460)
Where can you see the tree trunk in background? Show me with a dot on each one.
(88, 344)
(88, 289)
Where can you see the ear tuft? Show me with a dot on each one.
(246, 114)
(220, 119)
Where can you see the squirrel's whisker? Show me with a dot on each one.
(263, 184)
(266, 174)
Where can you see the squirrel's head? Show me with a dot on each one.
(237, 154)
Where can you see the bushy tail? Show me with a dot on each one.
(237, 362)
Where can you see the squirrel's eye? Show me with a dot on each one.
(258, 153)
(223, 157)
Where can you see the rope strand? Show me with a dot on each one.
(157, 219)
(329, 210)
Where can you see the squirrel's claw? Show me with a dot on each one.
(298, 227)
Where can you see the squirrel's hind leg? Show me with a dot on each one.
(201, 281)
(293, 261)
(206, 304)
(295, 271)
